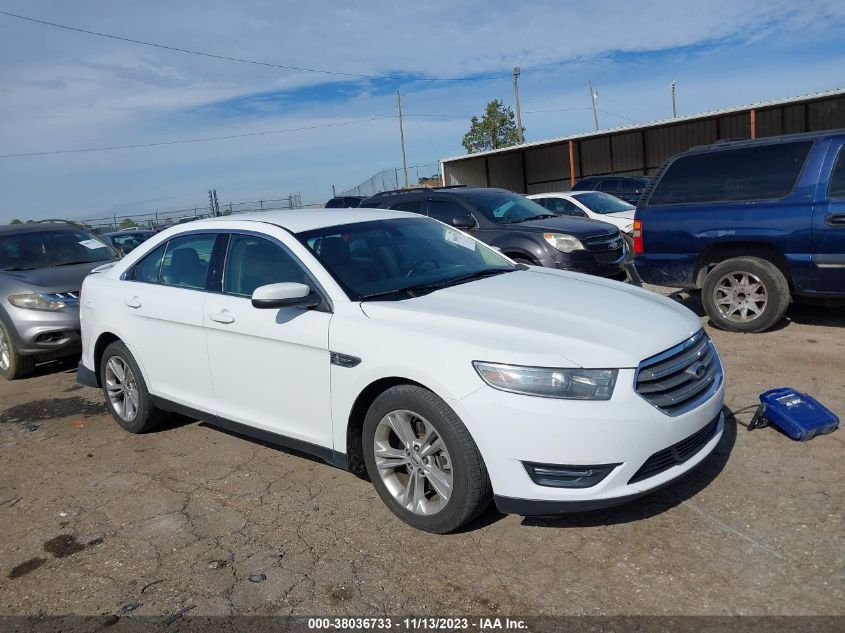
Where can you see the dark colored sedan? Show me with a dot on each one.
(627, 188)
(129, 239)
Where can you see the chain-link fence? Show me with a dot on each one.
(390, 179)
(157, 219)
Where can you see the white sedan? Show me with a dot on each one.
(389, 342)
(595, 205)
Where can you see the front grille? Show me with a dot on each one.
(677, 453)
(682, 377)
(70, 297)
(607, 249)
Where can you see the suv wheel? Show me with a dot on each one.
(745, 294)
(12, 364)
(422, 461)
(126, 392)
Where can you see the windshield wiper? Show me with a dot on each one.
(541, 216)
(436, 285)
(73, 263)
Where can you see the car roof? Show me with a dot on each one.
(562, 194)
(300, 220)
(766, 140)
(35, 227)
(122, 231)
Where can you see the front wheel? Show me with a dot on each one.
(12, 364)
(126, 392)
(423, 461)
(745, 294)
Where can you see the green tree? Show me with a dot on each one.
(497, 128)
(16, 221)
(127, 223)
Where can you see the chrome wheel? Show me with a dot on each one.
(121, 388)
(5, 352)
(413, 462)
(740, 297)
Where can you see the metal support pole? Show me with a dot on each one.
(674, 107)
(571, 164)
(516, 103)
(753, 123)
(593, 98)
(402, 137)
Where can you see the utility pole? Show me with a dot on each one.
(594, 96)
(402, 137)
(516, 102)
(674, 108)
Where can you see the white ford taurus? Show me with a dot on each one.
(390, 342)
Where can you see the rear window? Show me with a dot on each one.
(766, 172)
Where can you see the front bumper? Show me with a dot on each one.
(43, 332)
(586, 262)
(626, 431)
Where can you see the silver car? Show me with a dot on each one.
(41, 271)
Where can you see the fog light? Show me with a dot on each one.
(564, 476)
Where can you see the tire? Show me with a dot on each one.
(470, 491)
(745, 294)
(12, 364)
(141, 416)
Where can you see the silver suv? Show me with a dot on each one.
(41, 271)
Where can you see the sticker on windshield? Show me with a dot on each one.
(92, 244)
(460, 239)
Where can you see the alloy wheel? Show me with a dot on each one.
(740, 297)
(5, 352)
(122, 388)
(413, 462)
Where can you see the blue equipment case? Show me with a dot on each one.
(798, 415)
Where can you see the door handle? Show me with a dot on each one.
(133, 303)
(222, 317)
(835, 219)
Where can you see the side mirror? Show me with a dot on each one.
(125, 249)
(463, 222)
(285, 295)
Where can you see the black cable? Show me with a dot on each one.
(193, 140)
(241, 60)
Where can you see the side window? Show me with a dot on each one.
(610, 185)
(147, 270)
(570, 208)
(444, 211)
(764, 172)
(630, 186)
(413, 207)
(186, 260)
(836, 189)
(253, 261)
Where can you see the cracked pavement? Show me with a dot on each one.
(94, 520)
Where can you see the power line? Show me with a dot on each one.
(240, 59)
(193, 140)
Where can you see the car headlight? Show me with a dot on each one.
(562, 242)
(549, 382)
(37, 302)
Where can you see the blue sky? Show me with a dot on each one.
(68, 90)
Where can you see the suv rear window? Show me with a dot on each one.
(765, 172)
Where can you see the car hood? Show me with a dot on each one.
(577, 227)
(622, 215)
(545, 317)
(59, 278)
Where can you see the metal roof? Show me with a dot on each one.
(650, 124)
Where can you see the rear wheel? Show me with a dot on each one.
(12, 364)
(423, 461)
(745, 294)
(126, 392)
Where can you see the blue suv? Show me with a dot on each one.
(750, 223)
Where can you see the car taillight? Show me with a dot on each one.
(638, 236)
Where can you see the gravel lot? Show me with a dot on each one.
(93, 519)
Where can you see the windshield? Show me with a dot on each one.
(402, 257)
(599, 202)
(507, 208)
(48, 248)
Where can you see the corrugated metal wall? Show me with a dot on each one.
(633, 152)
